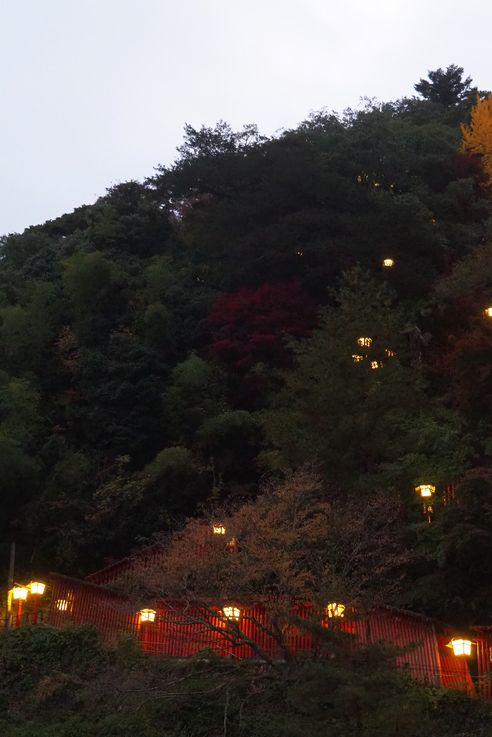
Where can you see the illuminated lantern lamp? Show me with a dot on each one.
(365, 342)
(218, 529)
(388, 263)
(488, 312)
(389, 353)
(335, 610)
(461, 647)
(232, 613)
(19, 594)
(425, 490)
(146, 615)
(376, 364)
(37, 590)
(357, 358)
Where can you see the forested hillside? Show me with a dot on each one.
(170, 346)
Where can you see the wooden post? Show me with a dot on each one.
(10, 584)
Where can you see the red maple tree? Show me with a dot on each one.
(253, 325)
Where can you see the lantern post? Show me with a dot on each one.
(425, 491)
(19, 594)
(37, 590)
(146, 618)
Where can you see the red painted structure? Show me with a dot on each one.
(183, 630)
(484, 660)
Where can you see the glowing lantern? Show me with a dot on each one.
(488, 312)
(376, 364)
(364, 342)
(335, 610)
(231, 612)
(460, 646)
(147, 615)
(37, 588)
(389, 353)
(19, 593)
(218, 529)
(425, 490)
(357, 358)
(388, 263)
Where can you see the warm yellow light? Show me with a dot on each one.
(231, 612)
(218, 529)
(460, 646)
(488, 312)
(61, 605)
(37, 588)
(425, 490)
(375, 364)
(389, 353)
(357, 358)
(19, 592)
(388, 263)
(364, 342)
(147, 615)
(335, 610)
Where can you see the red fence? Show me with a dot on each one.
(183, 630)
(484, 661)
(78, 602)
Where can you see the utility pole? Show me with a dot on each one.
(10, 583)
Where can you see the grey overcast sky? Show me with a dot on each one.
(95, 92)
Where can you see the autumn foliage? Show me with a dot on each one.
(294, 545)
(477, 137)
(253, 325)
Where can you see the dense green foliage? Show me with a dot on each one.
(173, 343)
(64, 683)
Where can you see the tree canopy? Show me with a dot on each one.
(181, 340)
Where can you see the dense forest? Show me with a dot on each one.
(182, 340)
